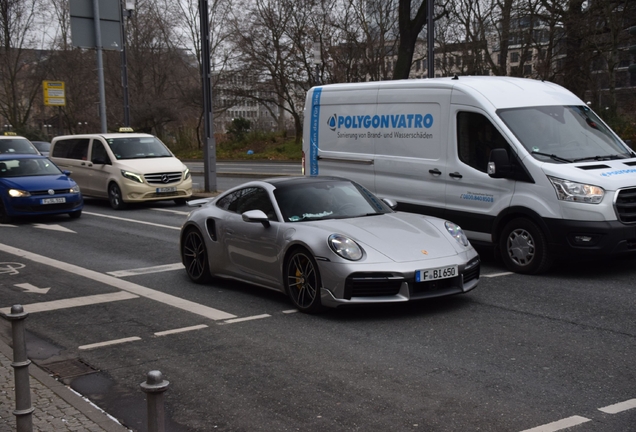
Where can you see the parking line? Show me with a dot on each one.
(146, 270)
(560, 424)
(73, 302)
(619, 407)
(108, 343)
(131, 220)
(180, 330)
(141, 291)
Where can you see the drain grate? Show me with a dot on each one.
(69, 368)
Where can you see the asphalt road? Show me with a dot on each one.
(517, 353)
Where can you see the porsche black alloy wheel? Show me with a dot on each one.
(302, 281)
(195, 256)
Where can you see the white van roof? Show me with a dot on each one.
(501, 92)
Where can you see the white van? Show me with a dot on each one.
(520, 164)
(123, 167)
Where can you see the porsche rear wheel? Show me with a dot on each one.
(195, 256)
(302, 281)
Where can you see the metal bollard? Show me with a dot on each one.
(154, 386)
(23, 409)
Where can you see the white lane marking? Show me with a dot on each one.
(146, 270)
(53, 228)
(170, 211)
(492, 275)
(290, 311)
(110, 342)
(181, 330)
(8, 226)
(73, 302)
(619, 407)
(250, 318)
(27, 287)
(560, 424)
(131, 220)
(142, 291)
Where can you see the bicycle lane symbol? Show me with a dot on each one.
(10, 268)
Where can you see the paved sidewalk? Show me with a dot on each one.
(57, 408)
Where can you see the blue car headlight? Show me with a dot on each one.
(457, 233)
(345, 247)
(74, 189)
(17, 193)
(132, 176)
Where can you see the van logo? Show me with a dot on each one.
(332, 122)
(165, 178)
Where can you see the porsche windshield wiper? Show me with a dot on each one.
(553, 156)
(600, 158)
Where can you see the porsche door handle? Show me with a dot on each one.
(455, 175)
(435, 172)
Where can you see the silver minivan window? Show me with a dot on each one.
(562, 134)
(138, 148)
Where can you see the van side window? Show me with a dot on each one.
(476, 137)
(71, 149)
(99, 155)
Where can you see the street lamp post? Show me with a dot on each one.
(126, 12)
(317, 60)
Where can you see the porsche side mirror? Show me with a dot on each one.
(198, 202)
(256, 216)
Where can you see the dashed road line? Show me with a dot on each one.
(560, 424)
(170, 211)
(290, 311)
(492, 275)
(141, 291)
(619, 407)
(108, 343)
(250, 318)
(181, 330)
(146, 270)
(73, 302)
(132, 220)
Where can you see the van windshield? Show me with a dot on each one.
(562, 134)
(138, 148)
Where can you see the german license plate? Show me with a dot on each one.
(53, 200)
(166, 189)
(436, 273)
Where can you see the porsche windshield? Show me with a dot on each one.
(138, 148)
(329, 199)
(562, 134)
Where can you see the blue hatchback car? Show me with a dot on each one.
(33, 185)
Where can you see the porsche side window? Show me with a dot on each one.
(476, 137)
(247, 199)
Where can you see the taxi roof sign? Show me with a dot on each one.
(10, 134)
(126, 129)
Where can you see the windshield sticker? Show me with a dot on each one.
(470, 196)
(619, 172)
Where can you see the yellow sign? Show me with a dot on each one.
(54, 94)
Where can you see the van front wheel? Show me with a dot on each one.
(114, 196)
(524, 248)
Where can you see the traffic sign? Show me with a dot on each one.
(54, 93)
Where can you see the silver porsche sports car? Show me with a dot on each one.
(325, 241)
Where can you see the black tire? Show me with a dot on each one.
(180, 201)
(114, 197)
(302, 281)
(4, 217)
(524, 248)
(75, 214)
(195, 256)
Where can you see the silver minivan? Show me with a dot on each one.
(123, 167)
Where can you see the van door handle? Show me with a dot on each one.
(435, 171)
(455, 175)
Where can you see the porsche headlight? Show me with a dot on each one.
(345, 247)
(567, 190)
(132, 176)
(457, 233)
(17, 193)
